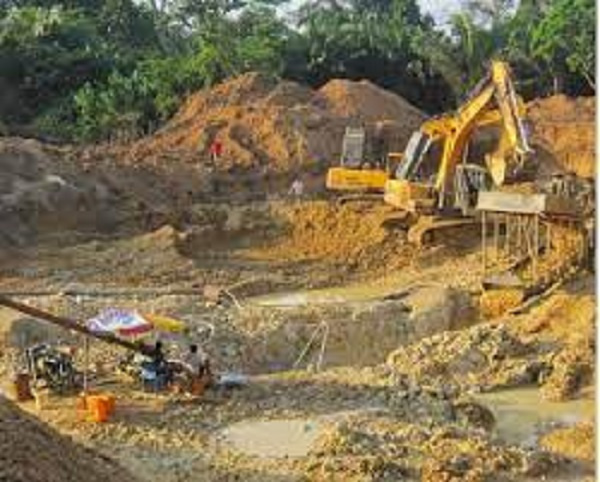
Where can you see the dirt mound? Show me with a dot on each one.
(379, 448)
(276, 126)
(565, 128)
(573, 368)
(151, 258)
(39, 192)
(348, 236)
(488, 356)
(575, 303)
(367, 102)
(32, 452)
(575, 442)
(552, 346)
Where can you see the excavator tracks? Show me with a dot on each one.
(429, 230)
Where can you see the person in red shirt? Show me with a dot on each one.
(216, 149)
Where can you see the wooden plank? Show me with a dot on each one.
(510, 202)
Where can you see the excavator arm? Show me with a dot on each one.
(498, 87)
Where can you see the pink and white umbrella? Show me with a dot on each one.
(120, 322)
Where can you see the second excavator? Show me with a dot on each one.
(434, 185)
(365, 162)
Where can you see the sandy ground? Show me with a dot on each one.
(406, 359)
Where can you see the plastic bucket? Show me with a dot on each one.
(98, 408)
(21, 389)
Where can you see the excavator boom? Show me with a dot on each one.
(493, 100)
(434, 175)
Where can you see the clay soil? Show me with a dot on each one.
(405, 386)
(31, 451)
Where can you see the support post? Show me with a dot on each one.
(483, 241)
(496, 235)
(86, 361)
(536, 244)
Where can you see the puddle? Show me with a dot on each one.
(273, 438)
(285, 437)
(521, 414)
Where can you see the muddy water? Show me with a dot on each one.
(273, 438)
(522, 415)
(358, 292)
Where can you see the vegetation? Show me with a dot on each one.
(88, 69)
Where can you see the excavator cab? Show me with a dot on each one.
(353, 147)
(356, 172)
(411, 189)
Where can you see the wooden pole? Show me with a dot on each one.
(520, 229)
(536, 243)
(483, 241)
(496, 236)
(509, 230)
(86, 360)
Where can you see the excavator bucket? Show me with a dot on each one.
(497, 168)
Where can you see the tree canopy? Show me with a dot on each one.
(91, 69)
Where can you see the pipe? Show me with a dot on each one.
(105, 292)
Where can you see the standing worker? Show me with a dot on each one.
(297, 188)
(216, 150)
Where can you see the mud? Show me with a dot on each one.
(30, 451)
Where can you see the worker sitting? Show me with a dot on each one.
(197, 364)
(155, 372)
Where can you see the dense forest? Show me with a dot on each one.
(83, 69)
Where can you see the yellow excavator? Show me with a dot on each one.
(365, 163)
(434, 186)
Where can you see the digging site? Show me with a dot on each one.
(347, 337)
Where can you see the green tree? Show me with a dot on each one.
(47, 52)
(136, 102)
(565, 40)
(460, 56)
(370, 39)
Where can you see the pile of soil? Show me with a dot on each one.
(273, 126)
(575, 442)
(552, 346)
(365, 101)
(38, 191)
(565, 128)
(488, 356)
(347, 236)
(32, 452)
(381, 448)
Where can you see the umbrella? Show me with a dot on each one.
(121, 322)
(165, 323)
